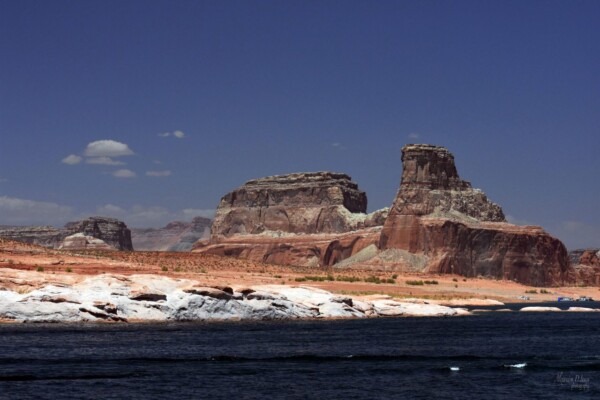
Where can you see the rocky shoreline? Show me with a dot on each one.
(151, 298)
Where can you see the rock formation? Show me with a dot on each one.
(306, 203)
(456, 229)
(586, 265)
(304, 219)
(175, 236)
(111, 231)
(139, 298)
(80, 241)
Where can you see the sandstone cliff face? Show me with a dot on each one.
(458, 230)
(586, 266)
(303, 219)
(111, 231)
(175, 236)
(320, 202)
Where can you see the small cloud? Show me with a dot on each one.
(158, 173)
(124, 173)
(157, 162)
(336, 144)
(71, 159)
(414, 135)
(107, 148)
(176, 134)
(110, 210)
(189, 213)
(103, 161)
(511, 219)
(24, 211)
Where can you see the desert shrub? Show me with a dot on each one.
(395, 276)
(40, 269)
(69, 269)
(373, 279)
(532, 291)
(300, 279)
(164, 268)
(431, 282)
(415, 283)
(454, 280)
(544, 291)
(277, 276)
(347, 279)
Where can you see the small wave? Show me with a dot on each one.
(519, 366)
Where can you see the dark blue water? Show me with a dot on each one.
(351, 359)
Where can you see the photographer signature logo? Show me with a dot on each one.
(573, 382)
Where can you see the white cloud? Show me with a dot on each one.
(190, 213)
(176, 134)
(15, 211)
(103, 161)
(158, 173)
(414, 135)
(110, 210)
(71, 159)
(518, 221)
(107, 148)
(124, 173)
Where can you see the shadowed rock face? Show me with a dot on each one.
(111, 231)
(458, 230)
(319, 202)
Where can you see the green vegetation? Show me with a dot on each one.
(69, 269)
(347, 279)
(431, 282)
(544, 291)
(40, 269)
(316, 278)
(164, 268)
(415, 283)
(532, 291)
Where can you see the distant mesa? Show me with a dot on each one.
(175, 236)
(437, 223)
(112, 232)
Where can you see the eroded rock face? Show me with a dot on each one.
(175, 236)
(306, 203)
(111, 231)
(586, 266)
(79, 241)
(456, 229)
(303, 219)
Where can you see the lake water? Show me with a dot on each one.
(553, 356)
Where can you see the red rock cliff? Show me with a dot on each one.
(458, 230)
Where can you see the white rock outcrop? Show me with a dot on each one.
(156, 298)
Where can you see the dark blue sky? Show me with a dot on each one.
(259, 88)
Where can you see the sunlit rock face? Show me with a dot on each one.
(458, 230)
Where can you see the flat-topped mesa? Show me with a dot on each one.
(431, 186)
(315, 202)
(110, 230)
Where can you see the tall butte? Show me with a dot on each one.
(452, 228)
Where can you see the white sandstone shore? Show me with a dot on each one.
(152, 298)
